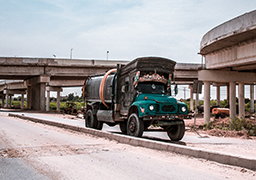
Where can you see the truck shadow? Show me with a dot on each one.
(157, 139)
(164, 140)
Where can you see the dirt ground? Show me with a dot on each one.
(201, 129)
(219, 132)
(198, 129)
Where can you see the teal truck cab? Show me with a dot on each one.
(137, 96)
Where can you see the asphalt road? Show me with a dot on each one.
(233, 146)
(34, 151)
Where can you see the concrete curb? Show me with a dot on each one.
(184, 150)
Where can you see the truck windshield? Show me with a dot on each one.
(152, 88)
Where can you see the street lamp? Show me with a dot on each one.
(107, 54)
(71, 53)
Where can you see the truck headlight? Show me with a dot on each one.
(151, 108)
(183, 109)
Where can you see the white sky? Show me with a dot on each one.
(126, 28)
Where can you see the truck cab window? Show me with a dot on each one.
(151, 87)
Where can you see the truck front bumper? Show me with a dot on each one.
(168, 117)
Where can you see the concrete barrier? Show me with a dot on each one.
(223, 158)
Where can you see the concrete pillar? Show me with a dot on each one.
(197, 100)
(29, 94)
(22, 101)
(232, 95)
(6, 100)
(252, 99)
(218, 95)
(3, 101)
(58, 100)
(228, 99)
(10, 101)
(191, 99)
(48, 101)
(38, 87)
(206, 102)
(38, 96)
(241, 100)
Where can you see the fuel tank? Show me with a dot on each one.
(92, 87)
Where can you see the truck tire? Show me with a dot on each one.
(135, 126)
(176, 132)
(123, 127)
(223, 115)
(90, 119)
(99, 124)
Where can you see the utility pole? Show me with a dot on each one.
(71, 53)
(107, 54)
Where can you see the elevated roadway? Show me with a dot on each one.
(42, 74)
(229, 51)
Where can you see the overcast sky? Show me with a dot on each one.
(126, 28)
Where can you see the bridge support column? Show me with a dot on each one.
(38, 96)
(38, 86)
(252, 99)
(58, 100)
(10, 100)
(206, 102)
(228, 99)
(232, 95)
(48, 100)
(22, 101)
(48, 89)
(6, 100)
(217, 95)
(241, 99)
(3, 100)
(28, 96)
(191, 98)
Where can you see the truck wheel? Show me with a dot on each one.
(90, 120)
(99, 124)
(135, 126)
(123, 127)
(176, 132)
(223, 115)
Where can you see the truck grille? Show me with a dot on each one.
(168, 108)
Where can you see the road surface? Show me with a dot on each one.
(34, 151)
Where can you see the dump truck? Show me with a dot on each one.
(136, 96)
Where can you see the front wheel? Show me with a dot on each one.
(176, 132)
(123, 127)
(135, 125)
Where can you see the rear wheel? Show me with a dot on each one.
(176, 132)
(123, 127)
(91, 121)
(135, 125)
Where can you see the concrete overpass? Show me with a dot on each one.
(229, 51)
(9, 88)
(42, 74)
